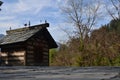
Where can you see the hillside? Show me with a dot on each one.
(101, 48)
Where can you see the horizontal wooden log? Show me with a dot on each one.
(16, 63)
(13, 54)
(14, 46)
(45, 61)
(45, 56)
(44, 45)
(30, 61)
(17, 53)
(16, 58)
(30, 64)
(30, 51)
(4, 58)
(45, 53)
(35, 44)
(3, 54)
(45, 49)
(30, 56)
(29, 42)
(30, 47)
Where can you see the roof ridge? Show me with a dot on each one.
(39, 26)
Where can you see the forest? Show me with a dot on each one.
(89, 47)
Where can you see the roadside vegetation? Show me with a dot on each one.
(101, 48)
(98, 47)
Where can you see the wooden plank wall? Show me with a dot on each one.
(32, 46)
(30, 54)
(14, 58)
(25, 54)
(45, 53)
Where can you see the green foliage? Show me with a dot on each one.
(51, 55)
(114, 25)
(117, 61)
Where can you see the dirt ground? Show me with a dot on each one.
(59, 73)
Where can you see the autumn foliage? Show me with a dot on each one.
(101, 48)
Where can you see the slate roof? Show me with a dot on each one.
(23, 34)
(18, 36)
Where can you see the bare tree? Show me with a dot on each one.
(83, 15)
(114, 10)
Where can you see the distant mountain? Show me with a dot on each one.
(1, 35)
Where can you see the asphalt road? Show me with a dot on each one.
(59, 73)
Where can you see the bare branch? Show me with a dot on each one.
(114, 5)
(110, 13)
(68, 34)
(83, 15)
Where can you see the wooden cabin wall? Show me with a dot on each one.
(37, 51)
(29, 53)
(13, 56)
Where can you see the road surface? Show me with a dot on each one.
(59, 73)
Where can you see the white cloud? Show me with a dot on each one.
(21, 7)
(6, 17)
(58, 34)
(25, 6)
(19, 12)
(15, 13)
(8, 24)
(57, 31)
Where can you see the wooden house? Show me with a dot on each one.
(27, 46)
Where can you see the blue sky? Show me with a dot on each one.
(15, 13)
